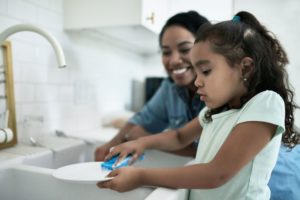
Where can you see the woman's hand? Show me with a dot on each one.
(125, 179)
(135, 148)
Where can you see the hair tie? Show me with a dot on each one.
(236, 18)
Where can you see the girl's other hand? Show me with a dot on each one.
(125, 179)
(134, 148)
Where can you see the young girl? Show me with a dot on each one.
(242, 80)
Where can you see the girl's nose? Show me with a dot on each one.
(198, 83)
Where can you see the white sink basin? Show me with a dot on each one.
(25, 182)
(33, 178)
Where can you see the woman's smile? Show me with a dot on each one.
(179, 72)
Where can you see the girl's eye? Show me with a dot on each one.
(206, 72)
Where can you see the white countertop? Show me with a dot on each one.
(24, 151)
(100, 134)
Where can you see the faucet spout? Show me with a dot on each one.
(27, 27)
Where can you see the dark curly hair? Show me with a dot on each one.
(190, 20)
(243, 37)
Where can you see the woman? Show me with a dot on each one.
(175, 103)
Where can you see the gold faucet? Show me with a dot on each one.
(7, 137)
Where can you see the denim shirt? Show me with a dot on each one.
(169, 108)
(285, 178)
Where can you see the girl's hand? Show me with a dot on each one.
(135, 148)
(101, 152)
(125, 179)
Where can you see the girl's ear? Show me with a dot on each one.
(247, 66)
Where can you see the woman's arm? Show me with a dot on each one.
(138, 131)
(174, 139)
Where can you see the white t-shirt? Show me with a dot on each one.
(251, 182)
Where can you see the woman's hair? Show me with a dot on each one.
(189, 20)
(244, 36)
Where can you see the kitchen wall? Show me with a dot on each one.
(98, 77)
(277, 15)
(280, 17)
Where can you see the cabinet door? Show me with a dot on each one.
(132, 23)
(214, 10)
(154, 14)
(94, 14)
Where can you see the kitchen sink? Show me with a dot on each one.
(33, 180)
(26, 182)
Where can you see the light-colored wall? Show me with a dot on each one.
(214, 10)
(280, 17)
(99, 74)
(97, 79)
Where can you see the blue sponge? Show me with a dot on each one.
(109, 165)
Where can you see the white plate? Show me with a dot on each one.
(89, 173)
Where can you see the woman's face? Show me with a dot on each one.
(177, 43)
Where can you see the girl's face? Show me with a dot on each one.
(177, 43)
(217, 82)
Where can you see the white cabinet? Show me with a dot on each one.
(213, 10)
(131, 23)
(135, 24)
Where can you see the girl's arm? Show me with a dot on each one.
(242, 145)
(167, 141)
(127, 132)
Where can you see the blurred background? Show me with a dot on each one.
(111, 49)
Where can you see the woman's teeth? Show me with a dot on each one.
(180, 71)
